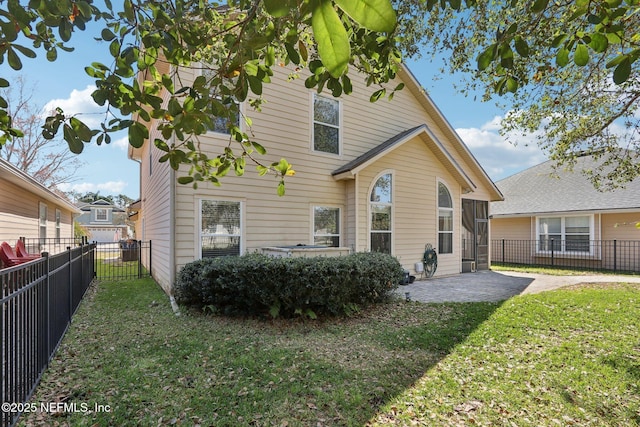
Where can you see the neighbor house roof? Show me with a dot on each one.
(541, 190)
(10, 173)
(100, 203)
(350, 169)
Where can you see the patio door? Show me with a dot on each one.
(475, 232)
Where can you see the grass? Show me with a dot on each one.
(557, 271)
(557, 358)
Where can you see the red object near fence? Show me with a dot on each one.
(9, 259)
(21, 251)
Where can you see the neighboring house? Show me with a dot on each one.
(30, 210)
(543, 205)
(103, 221)
(390, 176)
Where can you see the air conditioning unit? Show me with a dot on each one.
(468, 266)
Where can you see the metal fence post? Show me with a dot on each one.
(70, 283)
(615, 255)
(139, 259)
(47, 314)
(552, 249)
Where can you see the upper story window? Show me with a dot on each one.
(565, 234)
(326, 226)
(326, 124)
(445, 220)
(221, 122)
(101, 214)
(380, 205)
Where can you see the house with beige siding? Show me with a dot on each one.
(391, 176)
(30, 210)
(559, 213)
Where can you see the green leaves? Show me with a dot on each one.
(331, 37)
(375, 15)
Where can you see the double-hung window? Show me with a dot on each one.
(565, 234)
(226, 110)
(326, 124)
(380, 206)
(58, 225)
(101, 214)
(445, 220)
(42, 217)
(220, 228)
(326, 226)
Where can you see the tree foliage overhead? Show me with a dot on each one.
(237, 44)
(48, 162)
(568, 68)
(567, 71)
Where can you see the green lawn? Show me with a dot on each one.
(569, 357)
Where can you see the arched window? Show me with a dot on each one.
(380, 202)
(445, 220)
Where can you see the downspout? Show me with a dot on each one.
(172, 227)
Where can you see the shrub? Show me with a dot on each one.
(257, 283)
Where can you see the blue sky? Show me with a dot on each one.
(108, 170)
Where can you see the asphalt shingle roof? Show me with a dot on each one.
(536, 190)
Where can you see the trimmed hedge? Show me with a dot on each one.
(257, 283)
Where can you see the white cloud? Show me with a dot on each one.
(109, 187)
(79, 103)
(121, 143)
(496, 155)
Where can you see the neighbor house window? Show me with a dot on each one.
(445, 220)
(58, 225)
(326, 124)
(101, 214)
(42, 219)
(221, 106)
(326, 226)
(220, 228)
(565, 234)
(380, 202)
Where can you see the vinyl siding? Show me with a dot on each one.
(154, 221)
(284, 128)
(415, 212)
(621, 226)
(19, 215)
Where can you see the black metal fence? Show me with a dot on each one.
(125, 259)
(595, 255)
(37, 301)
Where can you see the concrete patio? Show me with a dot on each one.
(495, 286)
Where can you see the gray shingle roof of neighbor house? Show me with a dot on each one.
(537, 191)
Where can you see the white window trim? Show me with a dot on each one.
(241, 111)
(562, 233)
(392, 204)
(453, 218)
(312, 127)
(42, 223)
(313, 222)
(198, 225)
(58, 224)
(106, 219)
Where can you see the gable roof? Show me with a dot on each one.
(10, 173)
(350, 169)
(100, 203)
(536, 191)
